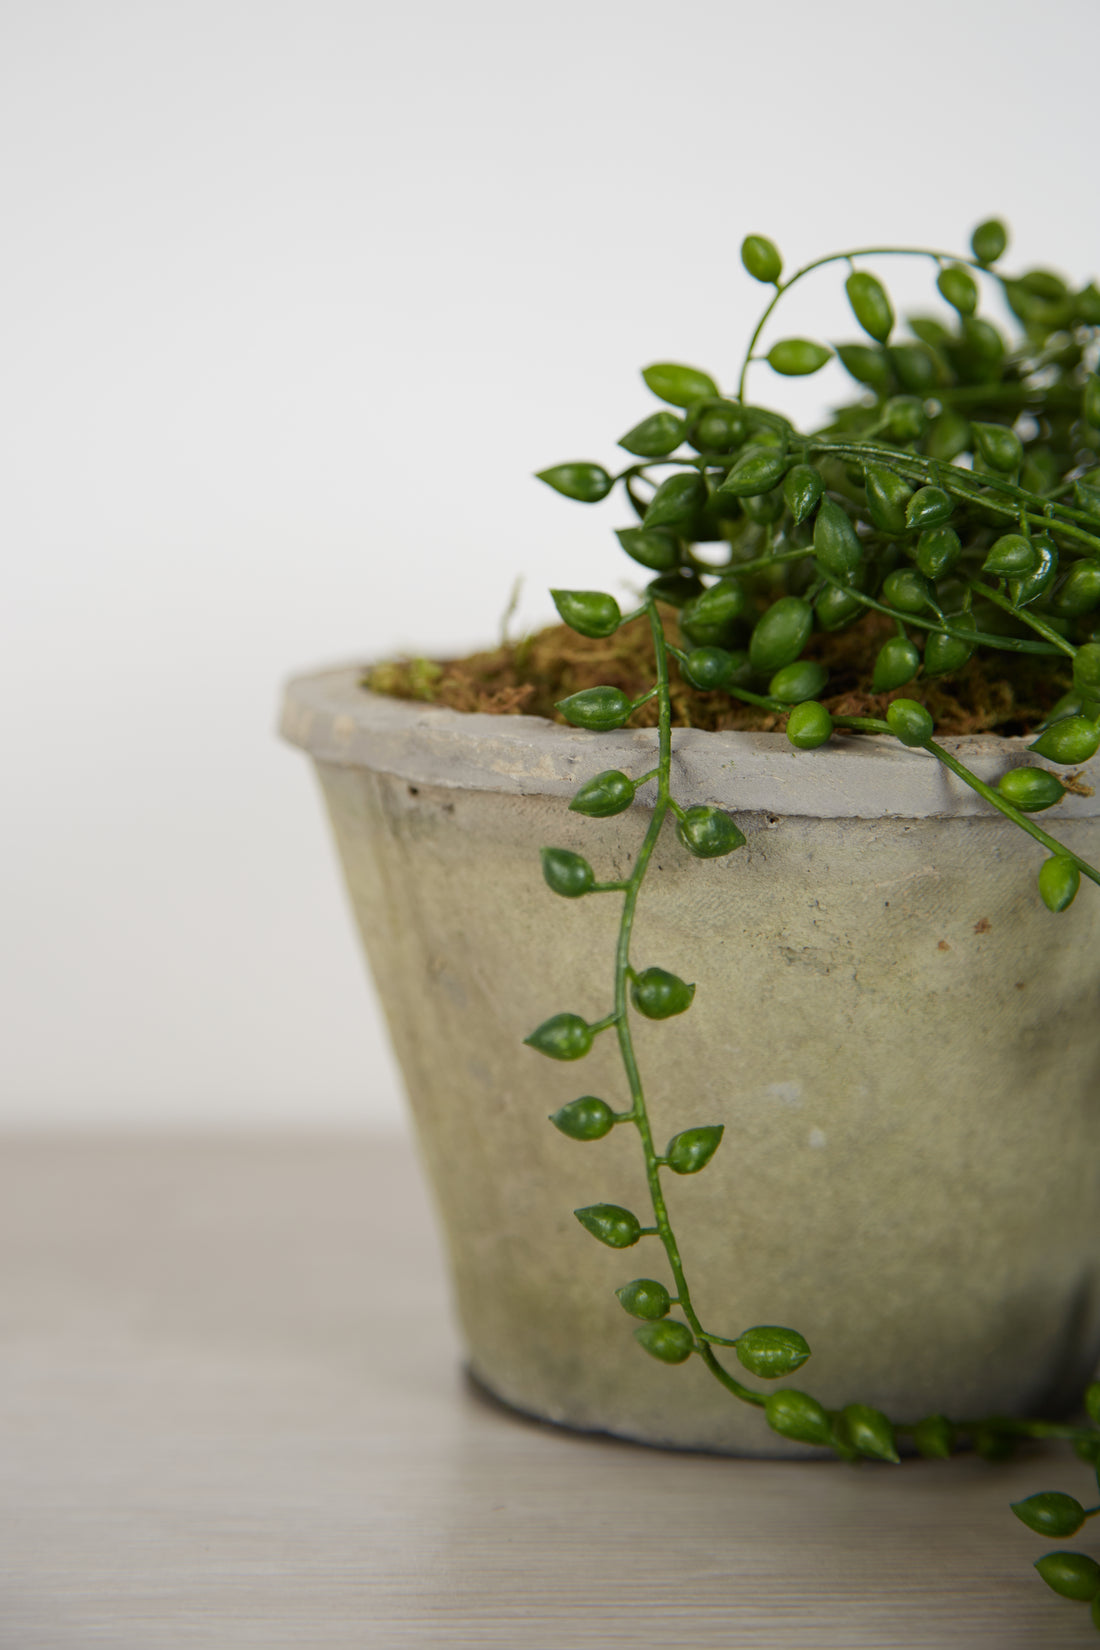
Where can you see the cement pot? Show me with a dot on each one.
(902, 1042)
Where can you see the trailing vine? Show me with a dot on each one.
(899, 506)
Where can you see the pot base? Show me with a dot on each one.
(481, 1390)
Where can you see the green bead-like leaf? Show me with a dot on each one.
(935, 1438)
(676, 500)
(1039, 299)
(946, 654)
(654, 548)
(928, 507)
(1000, 447)
(713, 523)
(930, 331)
(585, 1119)
(780, 634)
(598, 709)
(645, 1298)
(1070, 704)
(1087, 305)
(904, 418)
(1073, 1575)
(809, 725)
(1045, 284)
(910, 722)
(708, 668)
(917, 368)
(948, 435)
(668, 1341)
(611, 1224)
(655, 437)
(659, 995)
(1050, 1513)
(562, 1037)
(887, 497)
(566, 873)
(764, 508)
(761, 258)
(796, 357)
(992, 1444)
(938, 549)
(678, 385)
(1059, 880)
(757, 470)
(1012, 555)
(740, 669)
(803, 488)
(707, 618)
(802, 680)
(983, 345)
(1081, 592)
(1050, 290)
(589, 612)
(908, 591)
(605, 794)
(1031, 789)
(870, 305)
(870, 1432)
(1071, 741)
(1024, 590)
(770, 1351)
(1041, 471)
(867, 366)
(1090, 401)
(798, 1416)
(708, 833)
(588, 483)
(836, 544)
(836, 607)
(692, 1149)
(675, 589)
(1086, 670)
(897, 663)
(989, 240)
(959, 288)
(720, 429)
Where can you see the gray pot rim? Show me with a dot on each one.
(332, 716)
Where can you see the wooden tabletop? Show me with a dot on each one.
(233, 1414)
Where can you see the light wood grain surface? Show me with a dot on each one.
(233, 1414)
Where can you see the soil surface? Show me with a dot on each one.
(529, 676)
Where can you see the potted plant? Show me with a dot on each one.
(822, 939)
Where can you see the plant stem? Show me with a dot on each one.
(970, 488)
(995, 598)
(841, 257)
(705, 1340)
(871, 724)
(1006, 808)
(1007, 644)
(639, 1113)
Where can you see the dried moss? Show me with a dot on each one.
(528, 677)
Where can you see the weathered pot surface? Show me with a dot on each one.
(902, 1042)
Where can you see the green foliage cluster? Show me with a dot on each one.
(960, 495)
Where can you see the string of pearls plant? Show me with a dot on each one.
(960, 497)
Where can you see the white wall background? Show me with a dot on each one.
(296, 297)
